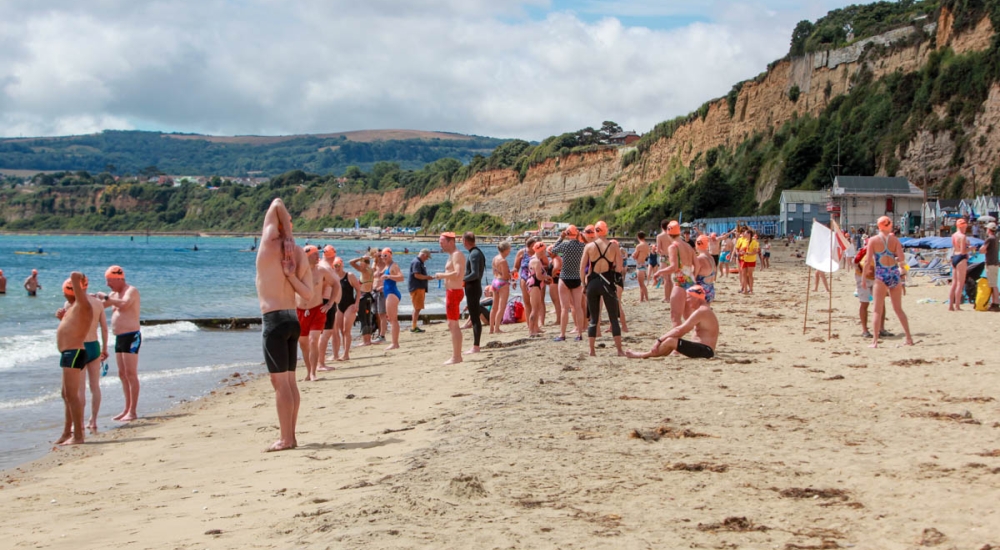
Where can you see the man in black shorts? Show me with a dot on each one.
(706, 332)
(282, 272)
(72, 331)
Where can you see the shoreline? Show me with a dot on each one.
(784, 439)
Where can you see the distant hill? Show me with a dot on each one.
(131, 152)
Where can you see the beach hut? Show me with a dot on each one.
(797, 209)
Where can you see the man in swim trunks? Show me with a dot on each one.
(453, 277)
(959, 265)
(714, 247)
(312, 313)
(706, 332)
(3, 283)
(679, 268)
(282, 274)
(31, 284)
(70, 335)
(329, 257)
(124, 301)
(663, 242)
(97, 352)
(475, 267)
(417, 285)
(641, 256)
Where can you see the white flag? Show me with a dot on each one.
(821, 255)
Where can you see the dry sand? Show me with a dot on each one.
(784, 440)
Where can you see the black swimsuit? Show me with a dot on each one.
(599, 287)
(346, 294)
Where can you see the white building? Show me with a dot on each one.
(863, 200)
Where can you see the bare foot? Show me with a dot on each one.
(453, 361)
(873, 345)
(473, 349)
(500, 331)
(621, 353)
(908, 342)
(128, 418)
(120, 415)
(325, 368)
(391, 346)
(72, 441)
(63, 438)
(279, 445)
(633, 354)
(92, 427)
(344, 358)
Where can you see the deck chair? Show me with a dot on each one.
(937, 267)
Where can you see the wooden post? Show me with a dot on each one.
(808, 285)
(829, 311)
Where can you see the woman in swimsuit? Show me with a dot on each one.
(704, 269)
(554, 270)
(366, 303)
(959, 265)
(377, 289)
(350, 295)
(521, 261)
(885, 258)
(536, 289)
(500, 286)
(600, 257)
(570, 245)
(391, 276)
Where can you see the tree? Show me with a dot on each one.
(799, 36)
(608, 129)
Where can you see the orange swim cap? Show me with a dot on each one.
(589, 229)
(538, 246)
(697, 292)
(702, 242)
(572, 231)
(601, 228)
(961, 223)
(310, 250)
(673, 228)
(329, 252)
(387, 251)
(114, 272)
(448, 235)
(68, 288)
(885, 223)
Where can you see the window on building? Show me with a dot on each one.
(807, 208)
(791, 207)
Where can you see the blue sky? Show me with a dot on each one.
(505, 68)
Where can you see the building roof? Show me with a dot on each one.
(949, 203)
(801, 197)
(875, 185)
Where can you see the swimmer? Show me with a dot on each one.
(97, 352)
(663, 242)
(391, 277)
(641, 256)
(500, 286)
(537, 278)
(453, 275)
(521, 260)
(571, 300)
(475, 267)
(124, 301)
(70, 338)
(3, 283)
(311, 312)
(347, 310)
(959, 265)
(366, 304)
(885, 254)
(705, 268)
(283, 275)
(598, 267)
(706, 332)
(31, 284)
(679, 268)
(326, 262)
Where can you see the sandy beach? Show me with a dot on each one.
(784, 440)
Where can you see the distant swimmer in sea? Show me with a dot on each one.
(70, 338)
(124, 302)
(282, 274)
(31, 284)
(701, 320)
(97, 352)
(3, 283)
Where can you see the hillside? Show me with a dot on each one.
(132, 152)
(908, 88)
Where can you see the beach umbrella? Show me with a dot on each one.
(986, 219)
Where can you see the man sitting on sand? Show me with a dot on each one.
(706, 332)
(70, 335)
(282, 273)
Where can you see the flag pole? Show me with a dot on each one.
(808, 284)
(829, 310)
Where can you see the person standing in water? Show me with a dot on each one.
(282, 274)
(124, 301)
(453, 275)
(70, 335)
(3, 283)
(31, 284)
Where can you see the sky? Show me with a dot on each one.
(502, 68)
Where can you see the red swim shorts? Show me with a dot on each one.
(749, 265)
(310, 320)
(452, 303)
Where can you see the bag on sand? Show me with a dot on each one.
(983, 293)
(514, 312)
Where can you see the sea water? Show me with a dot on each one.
(178, 361)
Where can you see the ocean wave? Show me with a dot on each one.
(112, 380)
(29, 348)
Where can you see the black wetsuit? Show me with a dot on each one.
(601, 285)
(365, 313)
(475, 265)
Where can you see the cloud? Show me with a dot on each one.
(487, 67)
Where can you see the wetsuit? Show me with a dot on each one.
(281, 338)
(365, 313)
(346, 294)
(599, 285)
(475, 266)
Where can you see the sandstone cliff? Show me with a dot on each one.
(763, 103)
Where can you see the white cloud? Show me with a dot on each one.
(471, 66)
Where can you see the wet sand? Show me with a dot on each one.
(785, 440)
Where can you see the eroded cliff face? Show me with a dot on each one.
(763, 103)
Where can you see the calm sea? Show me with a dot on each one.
(178, 361)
